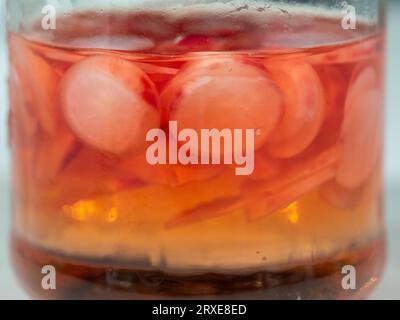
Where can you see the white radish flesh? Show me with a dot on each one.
(110, 104)
(224, 93)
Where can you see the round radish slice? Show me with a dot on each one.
(305, 108)
(224, 93)
(362, 130)
(110, 104)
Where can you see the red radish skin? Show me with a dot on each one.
(362, 131)
(223, 93)
(110, 104)
(304, 108)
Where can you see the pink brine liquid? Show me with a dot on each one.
(117, 185)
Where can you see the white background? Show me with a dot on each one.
(389, 287)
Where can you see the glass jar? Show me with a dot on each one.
(197, 148)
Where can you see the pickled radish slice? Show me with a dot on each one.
(204, 212)
(271, 202)
(340, 197)
(334, 82)
(363, 50)
(265, 168)
(304, 108)
(292, 193)
(39, 84)
(23, 124)
(137, 167)
(224, 93)
(53, 154)
(362, 130)
(172, 175)
(155, 69)
(277, 194)
(298, 171)
(156, 201)
(87, 173)
(110, 104)
(160, 75)
(190, 173)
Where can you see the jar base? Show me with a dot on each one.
(80, 279)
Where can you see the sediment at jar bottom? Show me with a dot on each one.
(78, 278)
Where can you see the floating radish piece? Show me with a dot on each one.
(172, 175)
(160, 75)
(154, 69)
(190, 173)
(63, 58)
(272, 202)
(277, 194)
(53, 154)
(39, 82)
(80, 178)
(302, 170)
(291, 193)
(23, 123)
(340, 197)
(265, 168)
(110, 104)
(360, 51)
(138, 168)
(305, 108)
(204, 212)
(223, 93)
(334, 82)
(362, 131)
(156, 202)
